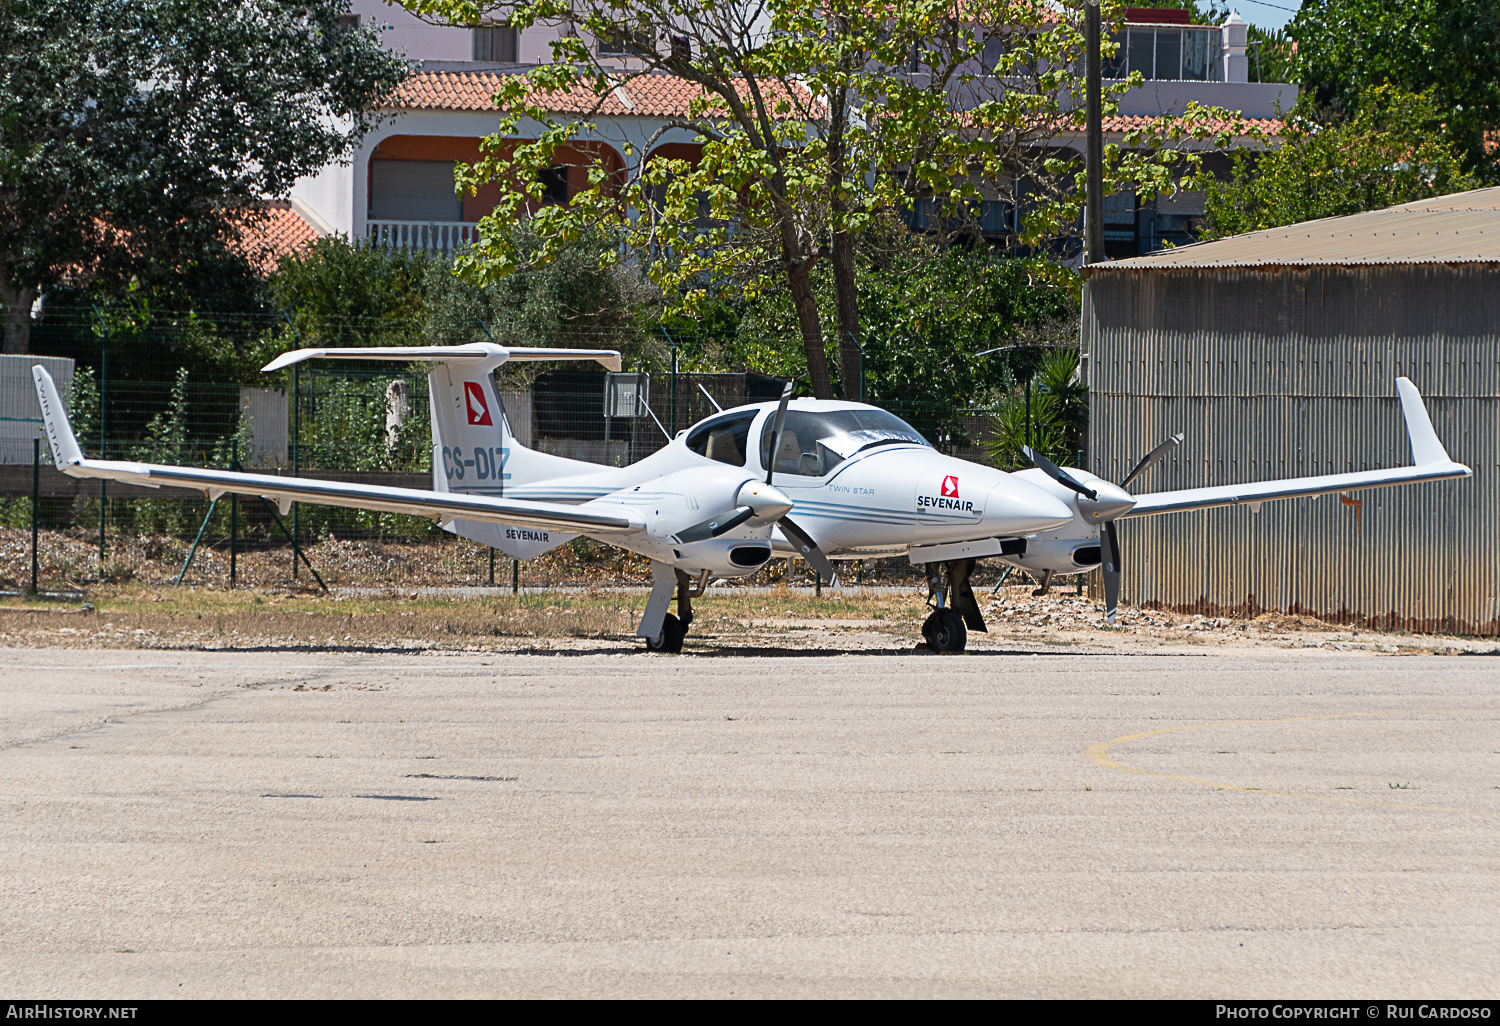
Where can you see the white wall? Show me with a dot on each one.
(1252, 99)
(443, 44)
(330, 193)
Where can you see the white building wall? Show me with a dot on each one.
(330, 194)
(404, 32)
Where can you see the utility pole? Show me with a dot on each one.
(1093, 218)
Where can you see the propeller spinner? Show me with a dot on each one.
(1103, 504)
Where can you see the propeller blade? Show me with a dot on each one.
(776, 426)
(714, 526)
(1111, 572)
(1057, 473)
(808, 549)
(1150, 459)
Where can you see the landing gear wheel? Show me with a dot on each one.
(672, 633)
(945, 631)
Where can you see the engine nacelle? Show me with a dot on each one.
(1060, 555)
(1074, 549)
(723, 557)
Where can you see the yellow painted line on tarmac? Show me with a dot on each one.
(1100, 754)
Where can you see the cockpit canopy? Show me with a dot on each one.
(814, 442)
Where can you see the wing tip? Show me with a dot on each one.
(64, 444)
(1426, 448)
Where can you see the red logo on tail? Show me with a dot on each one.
(479, 409)
(950, 487)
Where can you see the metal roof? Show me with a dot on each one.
(1460, 229)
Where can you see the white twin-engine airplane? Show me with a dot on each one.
(813, 478)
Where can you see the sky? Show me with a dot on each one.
(1271, 15)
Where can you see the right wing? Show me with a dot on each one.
(590, 518)
(1429, 458)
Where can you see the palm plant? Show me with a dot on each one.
(1051, 416)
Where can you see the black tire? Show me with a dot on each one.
(944, 631)
(672, 633)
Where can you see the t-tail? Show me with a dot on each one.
(474, 448)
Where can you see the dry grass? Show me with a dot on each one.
(70, 559)
(141, 616)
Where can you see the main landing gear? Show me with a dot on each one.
(669, 630)
(957, 612)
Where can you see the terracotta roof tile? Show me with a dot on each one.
(283, 231)
(659, 96)
(1130, 122)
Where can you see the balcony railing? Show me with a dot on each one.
(429, 236)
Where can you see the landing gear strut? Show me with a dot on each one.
(957, 612)
(673, 628)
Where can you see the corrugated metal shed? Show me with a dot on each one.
(1285, 367)
(1458, 229)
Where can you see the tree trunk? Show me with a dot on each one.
(846, 308)
(17, 302)
(799, 277)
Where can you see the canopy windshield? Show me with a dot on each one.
(813, 444)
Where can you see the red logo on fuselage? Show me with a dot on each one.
(479, 409)
(950, 487)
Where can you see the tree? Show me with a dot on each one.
(1393, 148)
(1449, 49)
(817, 119)
(137, 136)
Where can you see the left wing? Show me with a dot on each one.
(591, 518)
(1429, 458)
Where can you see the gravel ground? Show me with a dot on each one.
(727, 621)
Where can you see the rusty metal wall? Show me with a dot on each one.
(1288, 372)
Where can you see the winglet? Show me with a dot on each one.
(65, 450)
(1425, 447)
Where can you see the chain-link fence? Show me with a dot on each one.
(168, 388)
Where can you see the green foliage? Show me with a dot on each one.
(83, 410)
(1270, 55)
(570, 300)
(1447, 49)
(166, 441)
(1052, 419)
(340, 293)
(812, 135)
(1391, 149)
(136, 139)
(925, 318)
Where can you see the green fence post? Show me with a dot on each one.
(515, 577)
(492, 566)
(296, 464)
(103, 435)
(36, 494)
(234, 515)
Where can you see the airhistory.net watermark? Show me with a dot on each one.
(51, 1011)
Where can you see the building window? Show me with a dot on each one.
(1162, 53)
(623, 42)
(554, 184)
(496, 44)
(348, 22)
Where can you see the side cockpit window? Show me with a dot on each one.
(726, 439)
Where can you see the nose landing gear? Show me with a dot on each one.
(674, 628)
(957, 612)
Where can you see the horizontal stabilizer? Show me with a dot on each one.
(477, 353)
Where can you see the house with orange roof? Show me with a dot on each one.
(398, 188)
